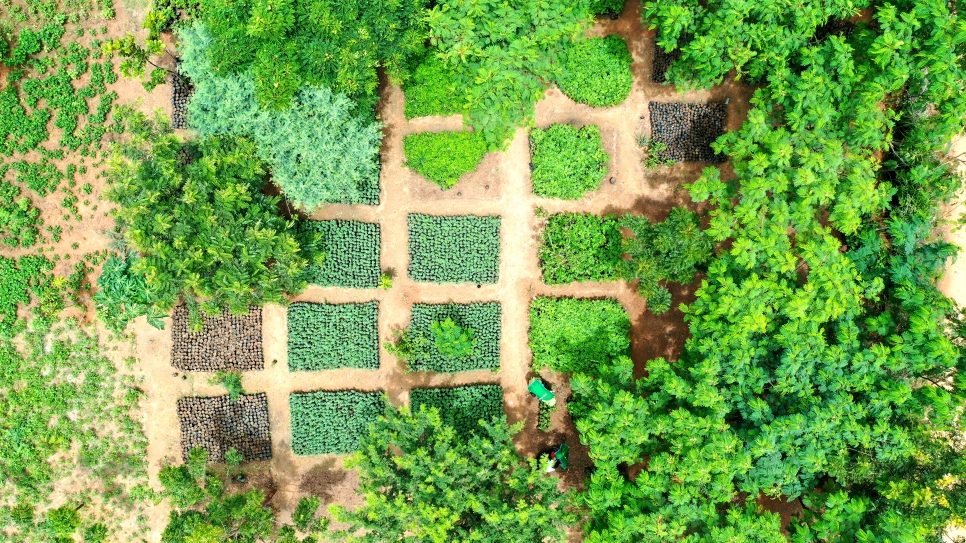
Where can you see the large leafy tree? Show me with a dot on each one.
(196, 215)
(423, 482)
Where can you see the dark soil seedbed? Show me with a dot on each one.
(662, 61)
(688, 130)
(181, 90)
(218, 424)
(226, 342)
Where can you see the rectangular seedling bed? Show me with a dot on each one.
(351, 254)
(662, 61)
(461, 407)
(226, 342)
(687, 130)
(181, 90)
(326, 422)
(325, 336)
(460, 249)
(218, 424)
(482, 319)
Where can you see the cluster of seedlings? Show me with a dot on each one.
(225, 342)
(218, 424)
(181, 90)
(351, 251)
(480, 320)
(326, 422)
(461, 407)
(686, 131)
(326, 336)
(460, 249)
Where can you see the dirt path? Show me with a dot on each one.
(953, 283)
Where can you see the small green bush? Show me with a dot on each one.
(597, 71)
(568, 162)
(325, 336)
(462, 407)
(332, 422)
(606, 7)
(572, 335)
(432, 90)
(19, 219)
(580, 247)
(482, 320)
(444, 157)
(460, 249)
(351, 250)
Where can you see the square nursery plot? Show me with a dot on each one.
(462, 407)
(687, 130)
(478, 322)
(662, 61)
(225, 342)
(218, 424)
(325, 336)
(351, 254)
(332, 422)
(460, 249)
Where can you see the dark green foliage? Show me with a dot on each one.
(460, 249)
(462, 408)
(444, 157)
(332, 422)
(597, 71)
(351, 250)
(568, 162)
(544, 412)
(339, 45)
(18, 279)
(481, 321)
(319, 148)
(571, 335)
(122, 295)
(203, 230)
(19, 219)
(671, 250)
(324, 336)
(231, 381)
(580, 247)
(421, 481)
(432, 90)
(606, 7)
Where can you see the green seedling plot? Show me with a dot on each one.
(460, 249)
(462, 407)
(332, 422)
(482, 320)
(351, 251)
(327, 336)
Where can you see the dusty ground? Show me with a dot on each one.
(500, 186)
(953, 283)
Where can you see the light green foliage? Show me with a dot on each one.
(318, 148)
(19, 278)
(474, 326)
(324, 336)
(462, 408)
(231, 381)
(19, 219)
(502, 55)
(351, 250)
(444, 157)
(423, 481)
(580, 247)
(432, 89)
(460, 249)
(571, 335)
(332, 422)
(597, 71)
(652, 151)
(203, 230)
(286, 44)
(206, 511)
(568, 162)
(122, 295)
(304, 515)
(671, 250)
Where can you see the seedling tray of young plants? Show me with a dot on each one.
(687, 131)
(462, 407)
(226, 342)
(351, 251)
(481, 320)
(218, 423)
(181, 90)
(325, 422)
(459, 249)
(326, 336)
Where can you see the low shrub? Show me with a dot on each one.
(480, 321)
(597, 71)
(432, 90)
(19, 219)
(462, 407)
(332, 422)
(580, 247)
(351, 250)
(325, 337)
(444, 157)
(606, 7)
(459, 249)
(568, 161)
(571, 335)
